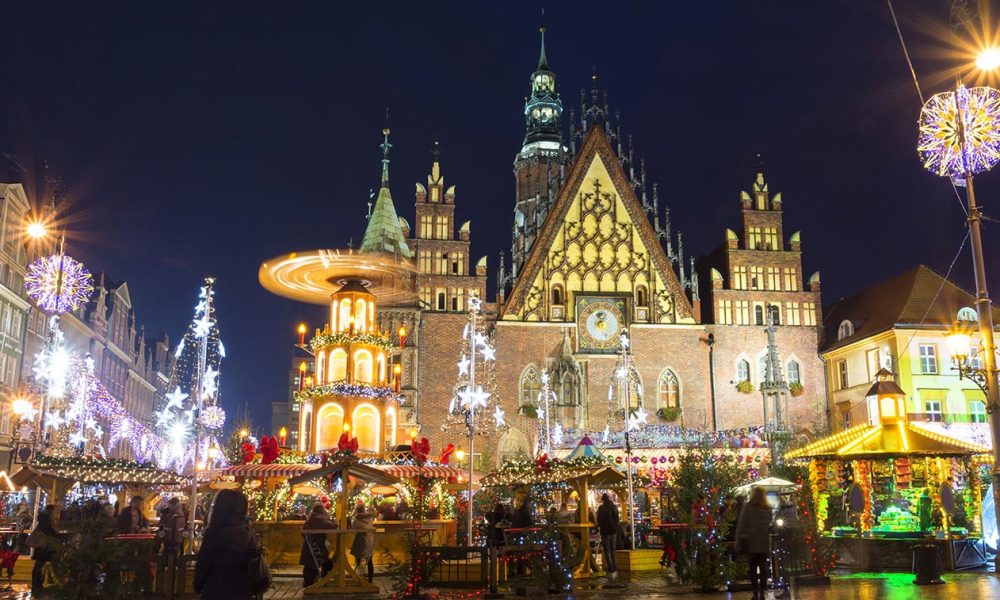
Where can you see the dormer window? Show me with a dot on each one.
(845, 330)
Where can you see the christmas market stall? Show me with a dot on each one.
(342, 474)
(538, 482)
(61, 476)
(880, 487)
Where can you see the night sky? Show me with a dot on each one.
(204, 138)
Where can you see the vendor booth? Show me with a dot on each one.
(881, 487)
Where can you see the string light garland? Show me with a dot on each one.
(340, 338)
(58, 283)
(372, 392)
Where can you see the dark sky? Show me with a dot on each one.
(202, 138)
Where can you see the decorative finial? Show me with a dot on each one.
(760, 163)
(436, 152)
(593, 74)
(543, 61)
(386, 146)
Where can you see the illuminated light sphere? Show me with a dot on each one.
(58, 284)
(37, 230)
(213, 417)
(939, 144)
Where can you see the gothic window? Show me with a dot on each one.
(567, 389)
(774, 311)
(441, 304)
(742, 370)
(668, 390)
(756, 278)
(758, 314)
(530, 386)
(558, 295)
(793, 372)
(809, 314)
(845, 330)
(641, 297)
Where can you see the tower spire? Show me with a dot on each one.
(386, 146)
(543, 61)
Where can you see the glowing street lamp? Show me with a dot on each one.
(37, 230)
(988, 59)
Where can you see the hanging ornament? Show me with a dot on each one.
(942, 118)
(58, 283)
(213, 417)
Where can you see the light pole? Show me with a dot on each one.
(960, 140)
(625, 374)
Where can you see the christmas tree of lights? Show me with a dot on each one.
(190, 416)
(476, 404)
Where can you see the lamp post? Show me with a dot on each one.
(625, 374)
(960, 140)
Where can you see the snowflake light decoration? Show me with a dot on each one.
(58, 283)
(939, 142)
(213, 417)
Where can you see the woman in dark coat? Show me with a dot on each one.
(315, 554)
(45, 550)
(753, 539)
(224, 559)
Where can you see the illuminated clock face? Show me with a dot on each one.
(600, 322)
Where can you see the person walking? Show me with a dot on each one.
(315, 554)
(229, 545)
(789, 530)
(364, 542)
(43, 540)
(609, 524)
(752, 538)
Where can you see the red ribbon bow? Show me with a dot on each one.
(347, 443)
(446, 454)
(268, 450)
(246, 452)
(420, 450)
(542, 462)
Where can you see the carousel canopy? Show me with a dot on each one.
(585, 449)
(886, 441)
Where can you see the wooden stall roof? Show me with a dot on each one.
(46, 475)
(357, 470)
(433, 471)
(259, 471)
(886, 441)
(604, 475)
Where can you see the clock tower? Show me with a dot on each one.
(539, 166)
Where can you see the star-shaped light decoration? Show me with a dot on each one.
(98, 432)
(202, 326)
(557, 434)
(78, 438)
(637, 419)
(201, 307)
(180, 349)
(222, 350)
(472, 398)
(463, 366)
(498, 416)
(209, 385)
(54, 419)
(489, 352)
(174, 398)
(164, 417)
(90, 423)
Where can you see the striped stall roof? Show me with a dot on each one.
(434, 471)
(261, 471)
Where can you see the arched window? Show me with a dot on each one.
(641, 297)
(380, 367)
(845, 330)
(758, 314)
(361, 315)
(344, 321)
(338, 365)
(390, 426)
(668, 390)
(793, 372)
(362, 366)
(441, 304)
(742, 370)
(366, 427)
(530, 386)
(557, 295)
(320, 367)
(775, 313)
(329, 426)
(568, 386)
(305, 430)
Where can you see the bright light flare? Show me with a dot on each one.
(988, 59)
(37, 230)
(21, 406)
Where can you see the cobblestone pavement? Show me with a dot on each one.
(655, 586)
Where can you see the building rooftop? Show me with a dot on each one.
(916, 298)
